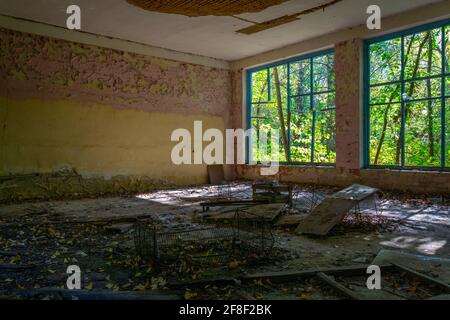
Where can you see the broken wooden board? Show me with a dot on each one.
(333, 208)
(356, 192)
(283, 276)
(337, 286)
(325, 216)
(216, 174)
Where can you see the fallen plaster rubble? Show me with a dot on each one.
(38, 240)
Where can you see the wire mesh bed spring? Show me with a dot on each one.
(202, 244)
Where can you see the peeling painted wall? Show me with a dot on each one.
(348, 100)
(100, 111)
(36, 66)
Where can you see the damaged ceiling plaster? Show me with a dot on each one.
(198, 8)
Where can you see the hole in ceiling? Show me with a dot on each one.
(197, 8)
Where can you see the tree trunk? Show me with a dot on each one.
(280, 113)
(386, 112)
(258, 114)
(410, 93)
(383, 133)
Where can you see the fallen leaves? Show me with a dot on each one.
(189, 295)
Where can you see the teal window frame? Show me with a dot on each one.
(312, 93)
(443, 96)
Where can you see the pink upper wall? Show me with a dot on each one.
(33, 66)
(348, 92)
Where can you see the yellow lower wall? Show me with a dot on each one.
(96, 140)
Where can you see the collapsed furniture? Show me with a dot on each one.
(333, 208)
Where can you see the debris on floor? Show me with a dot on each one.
(39, 240)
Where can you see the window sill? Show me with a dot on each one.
(411, 170)
(296, 165)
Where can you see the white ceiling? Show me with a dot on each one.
(207, 36)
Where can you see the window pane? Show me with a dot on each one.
(385, 61)
(385, 134)
(300, 77)
(270, 98)
(422, 54)
(265, 118)
(299, 104)
(324, 101)
(282, 76)
(325, 139)
(301, 130)
(260, 91)
(385, 94)
(430, 88)
(323, 73)
(423, 133)
(279, 86)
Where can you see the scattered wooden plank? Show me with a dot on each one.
(291, 275)
(333, 208)
(423, 277)
(336, 285)
(66, 294)
(325, 216)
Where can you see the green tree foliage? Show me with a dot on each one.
(305, 95)
(406, 99)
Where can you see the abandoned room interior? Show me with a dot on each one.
(225, 150)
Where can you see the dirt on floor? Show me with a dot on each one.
(38, 241)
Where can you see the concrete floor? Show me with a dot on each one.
(416, 226)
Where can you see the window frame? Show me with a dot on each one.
(443, 24)
(249, 103)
